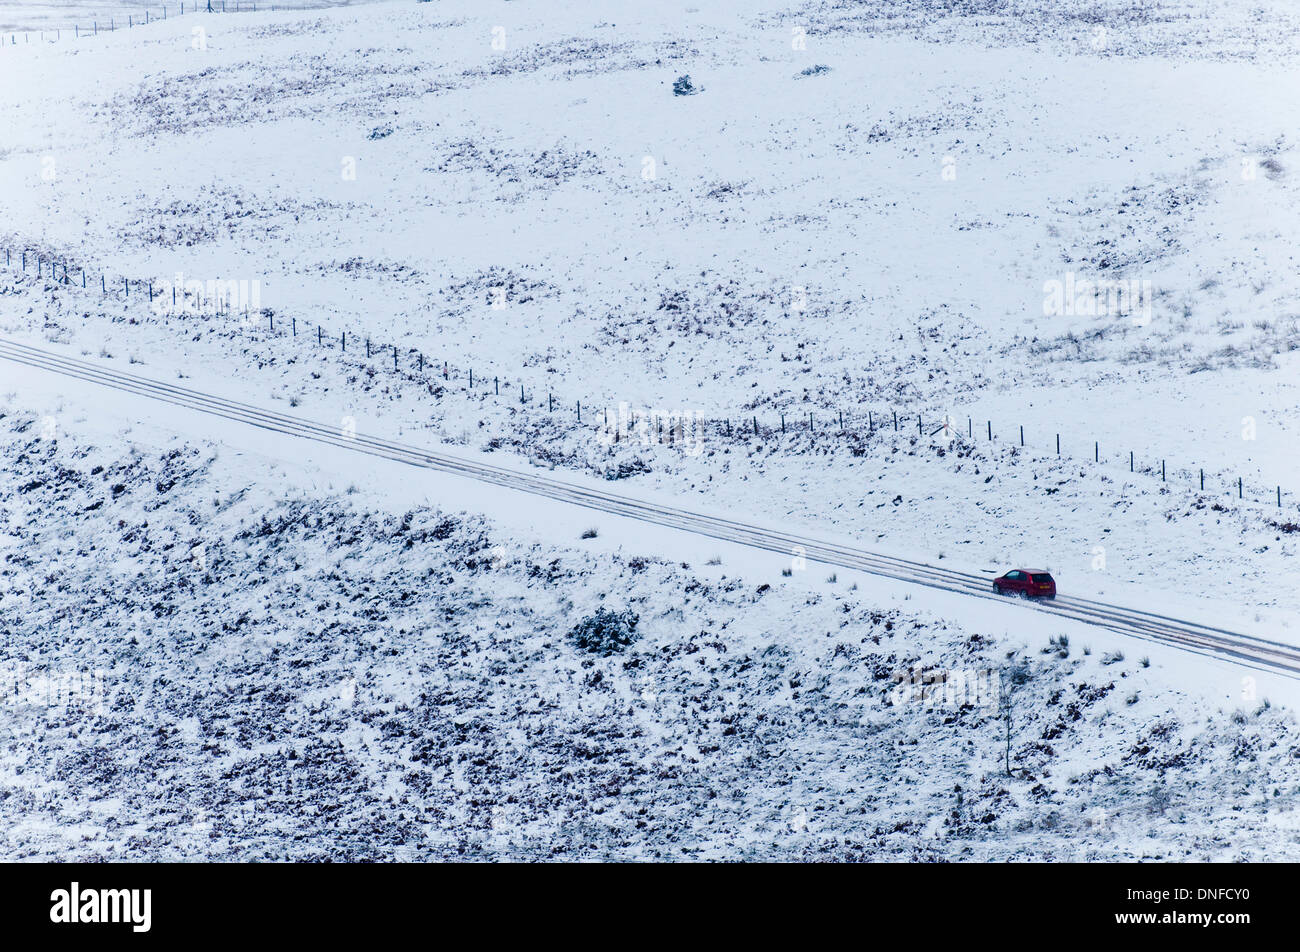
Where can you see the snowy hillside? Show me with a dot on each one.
(295, 678)
(875, 257)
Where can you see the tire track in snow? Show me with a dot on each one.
(1248, 650)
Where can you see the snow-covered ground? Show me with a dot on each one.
(283, 666)
(860, 208)
(46, 21)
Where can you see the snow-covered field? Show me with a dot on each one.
(858, 208)
(45, 21)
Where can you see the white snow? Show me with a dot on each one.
(798, 249)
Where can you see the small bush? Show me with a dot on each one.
(1017, 673)
(589, 534)
(1061, 646)
(626, 469)
(683, 86)
(606, 632)
(815, 70)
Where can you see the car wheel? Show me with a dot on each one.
(1024, 595)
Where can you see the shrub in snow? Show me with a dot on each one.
(683, 86)
(605, 632)
(626, 469)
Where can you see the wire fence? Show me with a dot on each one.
(438, 374)
(128, 20)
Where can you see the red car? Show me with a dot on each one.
(1027, 583)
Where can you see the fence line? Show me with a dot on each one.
(425, 370)
(78, 31)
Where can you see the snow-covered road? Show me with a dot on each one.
(1203, 639)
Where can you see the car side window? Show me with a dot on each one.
(1014, 576)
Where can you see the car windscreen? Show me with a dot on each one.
(1041, 578)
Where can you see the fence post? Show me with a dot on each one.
(841, 424)
(1279, 497)
(521, 390)
(871, 423)
(550, 402)
(1202, 480)
(496, 386)
(1130, 461)
(1096, 452)
(990, 422)
(1162, 471)
(1238, 487)
(919, 431)
(782, 422)
(367, 348)
(471, 378)
(1058, 444)
(756, 426)
(895, 412)
(343, 340)
(394, 356)
(1022, 434)
(579, 411)
(318, 339)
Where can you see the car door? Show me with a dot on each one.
(1016, 582)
